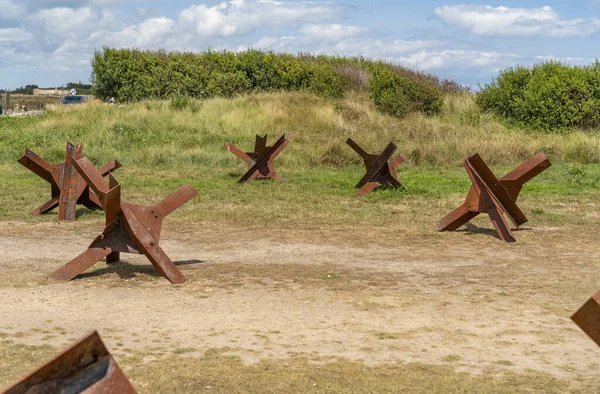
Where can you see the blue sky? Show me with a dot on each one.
(50, 42)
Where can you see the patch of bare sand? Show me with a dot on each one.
(461, 298)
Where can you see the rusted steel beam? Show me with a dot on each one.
(260, 162)
(67, 188)
(130, 228)
(496, 197)
(381, 169)
(84, 367)
(588, 318)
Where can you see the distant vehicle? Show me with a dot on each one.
(73, 100)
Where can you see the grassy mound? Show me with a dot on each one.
(154, 134)
(132, 75)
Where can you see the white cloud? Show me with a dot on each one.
(46, 4)
(341, 39)
(357, 46)
(15, 45)
(154, 32)
(480, 61)
(380, 47)
(484, 20)
(238, 17)
(11, 10)
(13, 36)
(334, 32)
(58, 26)
(440, 59)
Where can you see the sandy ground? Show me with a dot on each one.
(465, 299)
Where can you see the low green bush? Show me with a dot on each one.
(548, 96)
(326, 82)
(397, 95)
(228, 84)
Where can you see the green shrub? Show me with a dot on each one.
(326, 82)
(294, 74)
(549, 96)
(228, 84)
(261, 70)
(386, 93)
(183, 72)
(133, 75)
(398, 95)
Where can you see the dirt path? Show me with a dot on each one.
(467, 300)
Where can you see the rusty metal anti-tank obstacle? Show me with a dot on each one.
(381, 169)
(493, 196)
(588, 318)
(130, 228)
(84, 367)
(260, 162)
(68, 189)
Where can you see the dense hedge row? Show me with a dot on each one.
(133, 75)
(548, 96)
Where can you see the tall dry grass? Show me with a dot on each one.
(151, 134)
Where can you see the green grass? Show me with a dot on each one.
(318, 196)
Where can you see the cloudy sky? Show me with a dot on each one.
(50, 42)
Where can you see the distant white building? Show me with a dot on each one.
(50, 92)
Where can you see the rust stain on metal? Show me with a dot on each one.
(84, 367)
(496, 197)
(68, 189)
(588, 318)
(260, 162)
(380, 169)
(130, 228)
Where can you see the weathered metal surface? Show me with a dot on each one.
(588, 318)
(380, 169)
(260, 162)
(84, 367)
(68, 189)
(130, 228)
(496, 197)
